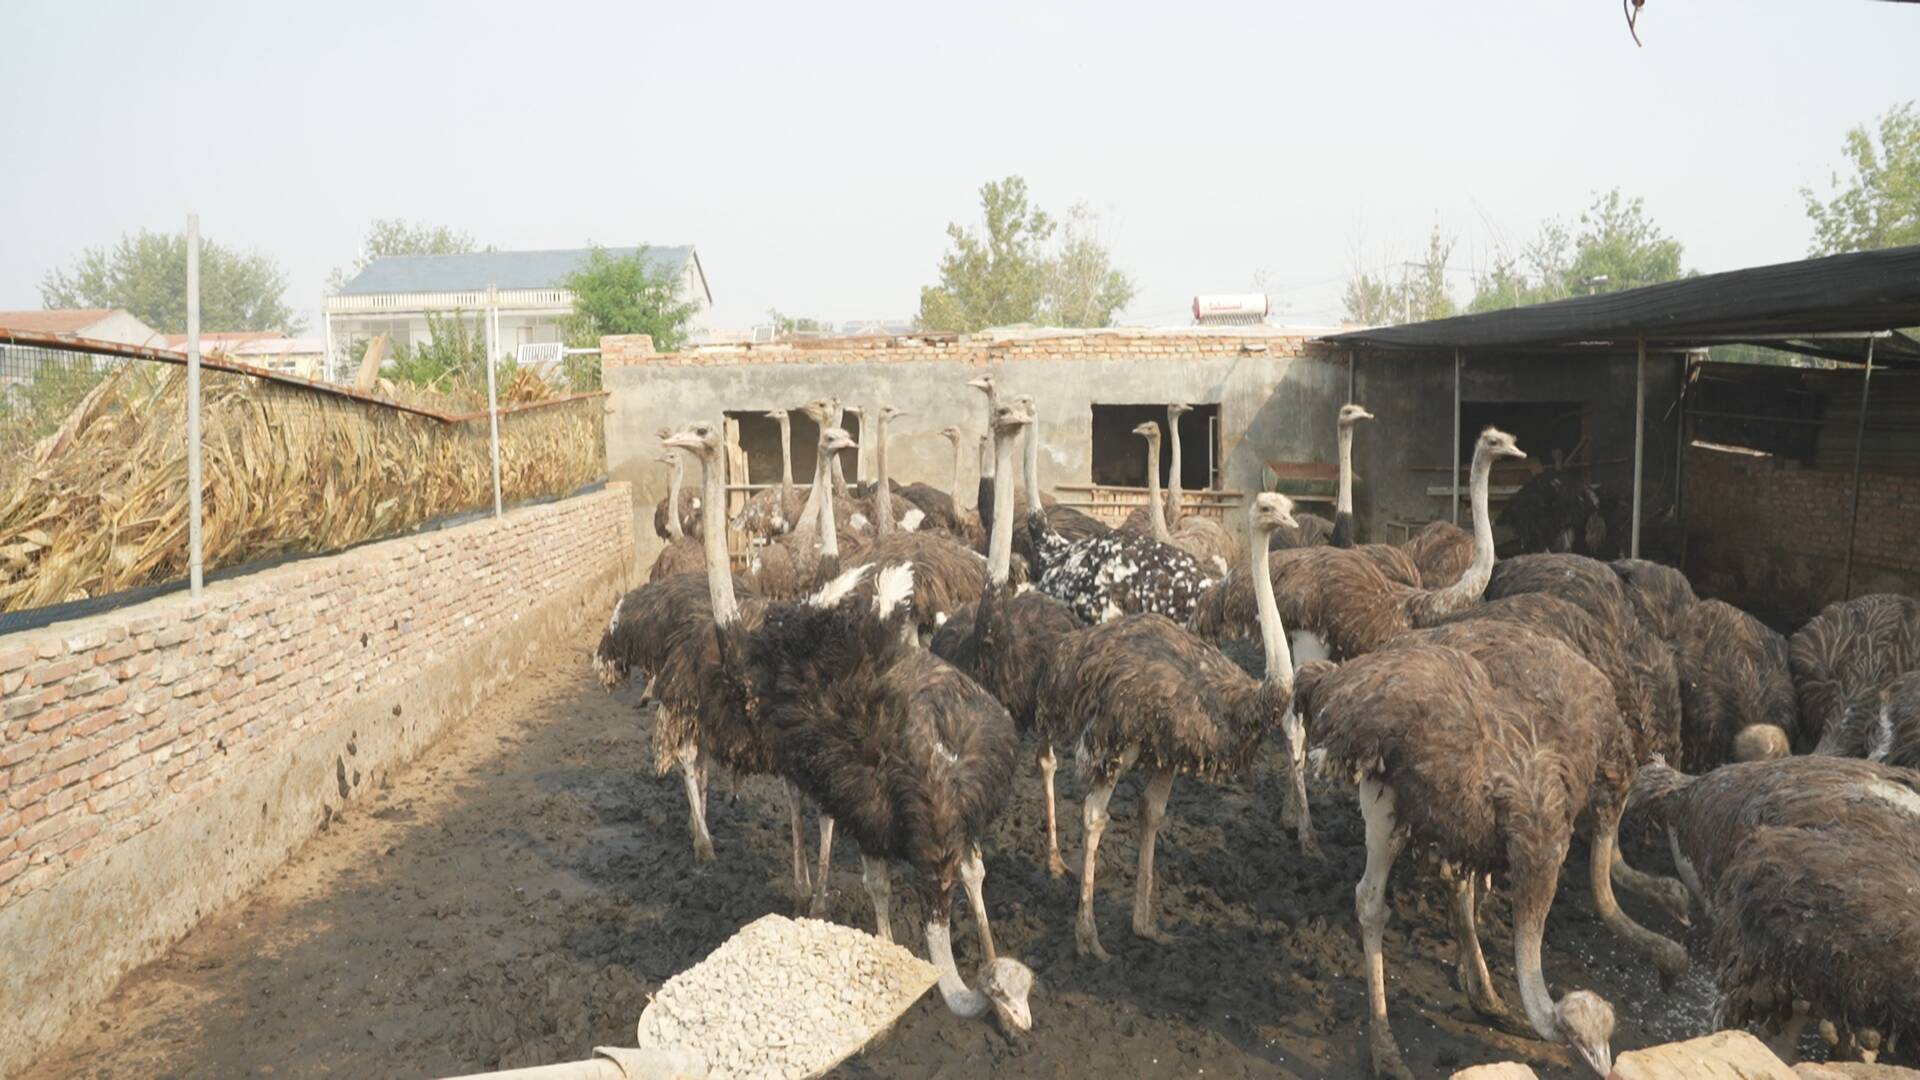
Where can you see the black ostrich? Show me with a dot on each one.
(1139, 690)
(909, 756)
(1736, 692)
(1007, 642)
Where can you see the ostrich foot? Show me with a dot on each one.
(1155, 934)
(1086, 938)
(702, 849)
(1056, 866)
(1492, 1009)
(1309, 846)
(1386, 1058)
(818, 905)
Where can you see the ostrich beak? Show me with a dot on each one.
(1363, 415)
(1599, 1059)
(682, 441)
(979, 384)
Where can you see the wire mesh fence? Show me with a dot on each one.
(93, 466)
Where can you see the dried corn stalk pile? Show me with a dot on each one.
(101, 505)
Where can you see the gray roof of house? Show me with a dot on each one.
(502, 269)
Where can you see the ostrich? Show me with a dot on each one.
(1139, 690)
(1660, 595)
(912, 758)
(687, 521)
(1801, 930)
(1008, 641)
(682, 552)
(1441, 551)
(1120, 573)
(946, 574)
(1396, 564)
(1064, 521)
(1736, 694)
(1554, 512)
(1898, 737)
(796, 561)
(1206, 538)
(1841, 661)
(1204, 550)
(774, 511)
(1457, 741)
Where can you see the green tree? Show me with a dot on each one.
(1011, 273)
(453, 359)
(627, 296)
(1420, 293)
(396, 236)
(1617, 247)
(1878, 206)
(788, 324)
(146, 273)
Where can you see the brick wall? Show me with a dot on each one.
(1773, 534)
(128, 741)
(986, 348)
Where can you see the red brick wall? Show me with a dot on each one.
(1118, 344)
(110, 724)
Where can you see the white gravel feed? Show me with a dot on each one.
(785, 998)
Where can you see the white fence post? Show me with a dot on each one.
(195, 554)
(493, 396)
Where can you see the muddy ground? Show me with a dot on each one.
(513, 897)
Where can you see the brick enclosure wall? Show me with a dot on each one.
(1774, 534)
(1117, 344)
(119, 731)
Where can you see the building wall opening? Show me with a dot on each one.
(1120, 456)
(759, 436)
(1551, 432)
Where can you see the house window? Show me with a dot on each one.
(760, 442)
(1120, 456)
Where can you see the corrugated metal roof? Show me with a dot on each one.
(502, 269)
(1861, 291)
(59, 321)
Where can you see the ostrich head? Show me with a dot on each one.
(890, 413)
(1149, 431)
(1584, 1021)
(819, 410)
(1351, 414)
(1271, 511)
(1760, 742)
(1006, 982)
(776, 414)
(984, 384)
(833, 440)
(951, 434)
(1012, 415)
(702, 437)
(1179, 408)
(1499, 444)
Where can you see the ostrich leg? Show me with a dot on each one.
(873, 873)
(1153, 810)
(1384, 842)
(818, 909)
(1056, 866)
(1786, 1044)
(1294, 811)
(973, 875)
(689, 757)
(1472, 963)
(800, 881)
(1669, 893)
(1086, 935)
(1668, 957)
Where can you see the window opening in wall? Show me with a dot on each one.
(759, 436)
(1120, 456)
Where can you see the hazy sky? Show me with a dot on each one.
(815, 152)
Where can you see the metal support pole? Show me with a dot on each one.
(196, 555)
(1639, 438)
(493, 395)
(330, 370)
(1859, 447)
(1680, 457)
(1453, 455)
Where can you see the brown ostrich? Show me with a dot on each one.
(946, 574)
(1842, 659)
(1736, 693)
(1660, 594)
(1199, 544)
(1007, 642)
(688, 521)
(1457, 742)
(912, 757)
(776, 510)
(1441, 551)
(1397, 565)
(1801, 930)
(1064, 522)
(1899, 740)
(1139, 690)
(682, 553)
(1340, 605)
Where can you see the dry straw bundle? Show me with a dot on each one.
(101, 504)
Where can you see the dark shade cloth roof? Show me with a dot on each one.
(502, 269)
(1858, 292)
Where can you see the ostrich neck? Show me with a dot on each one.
(1000, 544)
(829, 536)
(1155, 512)
(882, 498)
(1173, 478)
(839, 471)
(1032, 469)
(786, 459)
(1273, 636)
(953, 990)
(1529, 927)
(674, 532)
(1343, 502)
(955, 488)
(1463, 593)
(713, 540)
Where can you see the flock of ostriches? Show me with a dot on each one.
(875, 662)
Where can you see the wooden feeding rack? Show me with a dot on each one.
(1305, 481)
(1111, 504)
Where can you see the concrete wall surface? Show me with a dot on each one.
(162, 759)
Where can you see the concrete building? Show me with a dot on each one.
(97, 324)
(394, 295)
(302, 357)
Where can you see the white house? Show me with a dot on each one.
(394, 295)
